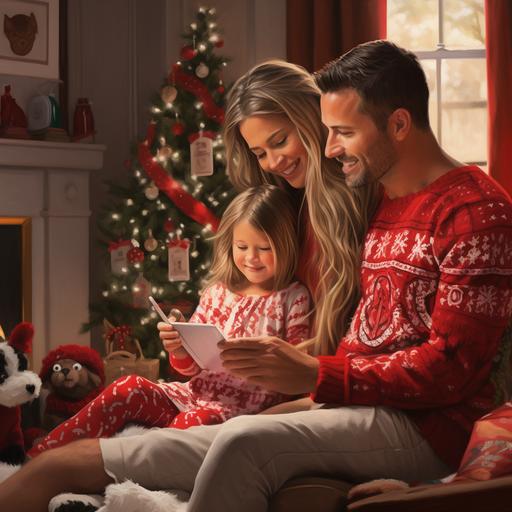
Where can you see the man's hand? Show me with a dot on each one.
(270, 362)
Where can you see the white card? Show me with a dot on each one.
(200, 341)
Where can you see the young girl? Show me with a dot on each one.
(250, 293)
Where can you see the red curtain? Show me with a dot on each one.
(498, 29)
(318, 31)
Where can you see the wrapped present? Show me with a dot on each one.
(489, 451)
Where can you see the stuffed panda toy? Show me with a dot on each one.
(17, 386)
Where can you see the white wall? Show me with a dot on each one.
(121, 50)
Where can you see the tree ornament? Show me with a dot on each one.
(164, 152)
(201, 154)
(119, 337)
(219, 43)
(202, 70)
(168, 93)
(178, 260)
(169, 226)
(119, 256)
(221, 89)
(151, 191)
(188, 53)
(150, 243)
(135, 255)
(178, 128)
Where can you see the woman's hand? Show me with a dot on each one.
(170, 337)
(270, 362)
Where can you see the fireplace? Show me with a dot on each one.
(15, 272)
(44, 213)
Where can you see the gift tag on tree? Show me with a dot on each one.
(201, 156)
(119, 256)
(141, 292)
(178, 260)
(151, 191)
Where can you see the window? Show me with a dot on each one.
(448, 36)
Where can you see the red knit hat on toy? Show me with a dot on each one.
(74, 375)
(84, 355)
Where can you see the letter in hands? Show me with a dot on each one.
(270, 362)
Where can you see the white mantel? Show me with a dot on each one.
(49, 182)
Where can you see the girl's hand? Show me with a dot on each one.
(271, 363)
(171, 339)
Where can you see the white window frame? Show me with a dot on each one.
(439, 55)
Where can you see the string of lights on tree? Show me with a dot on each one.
(157, 228)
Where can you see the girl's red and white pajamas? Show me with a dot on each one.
(208, 397)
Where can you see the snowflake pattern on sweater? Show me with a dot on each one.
(283, 313)
(437, 295)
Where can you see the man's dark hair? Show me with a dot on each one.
(386, 77)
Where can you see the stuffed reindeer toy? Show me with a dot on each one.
(17, 386)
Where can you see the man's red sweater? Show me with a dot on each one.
(436, 297)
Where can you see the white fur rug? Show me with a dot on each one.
(125, 497)
(131, 497)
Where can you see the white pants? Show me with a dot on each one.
(240, 464)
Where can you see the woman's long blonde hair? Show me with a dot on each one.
(338, 215)
(269, 209)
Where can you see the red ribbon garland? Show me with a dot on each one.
(192, 84)
(187, 203)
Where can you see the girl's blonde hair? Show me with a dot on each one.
(338, 215)
(269, 209)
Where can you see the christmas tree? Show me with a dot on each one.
(157, 229)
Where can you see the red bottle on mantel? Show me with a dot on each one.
(83, 122)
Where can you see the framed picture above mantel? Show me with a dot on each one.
(29, 39)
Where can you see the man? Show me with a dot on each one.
(415, 369)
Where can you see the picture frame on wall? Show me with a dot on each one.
(29, 38)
